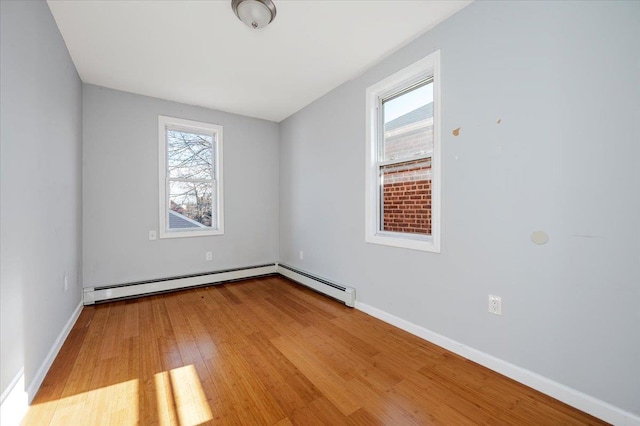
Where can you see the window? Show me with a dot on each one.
(403, 158)
(191, 191)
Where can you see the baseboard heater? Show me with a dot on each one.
(109, 293)
(144, 288)
(336, 291)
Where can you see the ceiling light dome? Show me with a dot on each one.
(255, 13)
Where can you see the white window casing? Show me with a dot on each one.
(420, 71)
(166, 124)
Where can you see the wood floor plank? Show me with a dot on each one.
(431, 401)
(286, 396)
(319, 373)
(269, 352)
(323, 411)
(297, 381)
(363, 418)
(150, 365)
(346, 360)
(379, 405)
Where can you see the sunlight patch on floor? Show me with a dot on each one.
(179, 394)
(114, 404)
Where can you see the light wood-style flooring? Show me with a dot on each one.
(269, 352)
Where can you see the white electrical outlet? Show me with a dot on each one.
(495, 304)
(66, 282)
(301, 255)
(152, 235)
(208, 255)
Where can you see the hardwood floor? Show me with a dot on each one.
(267, 351)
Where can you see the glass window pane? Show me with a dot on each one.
(406, 197)
(189, 155)
(190, 205)
(408, 124)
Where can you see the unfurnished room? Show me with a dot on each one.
(319, 212)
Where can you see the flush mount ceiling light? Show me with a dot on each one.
(255, 13)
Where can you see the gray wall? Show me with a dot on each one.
(120, 191)
(563, 77)
(40, 190)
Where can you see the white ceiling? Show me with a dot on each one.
(199, 53)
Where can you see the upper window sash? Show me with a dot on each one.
(404, 160)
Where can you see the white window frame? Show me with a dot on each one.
(217, 211)
(428, 67)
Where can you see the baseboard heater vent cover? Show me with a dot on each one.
(336, 291)
(143, 288)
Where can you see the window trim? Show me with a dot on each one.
(165, 122)
(428, 67)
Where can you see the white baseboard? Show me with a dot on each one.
(16, 398)
(33, 387)
(347, 295)
(579, 400)
(100, 294)
(14, 401)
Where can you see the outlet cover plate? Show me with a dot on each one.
(495, 304)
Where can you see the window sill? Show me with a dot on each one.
(184, 234)
(408, 242)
